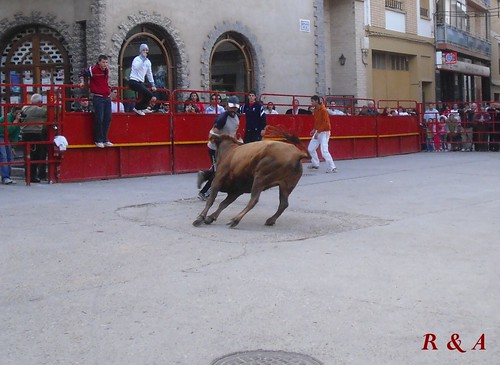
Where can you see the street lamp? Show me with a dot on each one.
(342, 59)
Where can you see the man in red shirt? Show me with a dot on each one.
(98, 76)
(320, 135)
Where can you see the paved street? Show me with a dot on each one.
(361, 266)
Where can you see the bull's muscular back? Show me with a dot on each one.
(268, 163)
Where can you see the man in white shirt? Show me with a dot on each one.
(116, 106)
(332, 110)
(141, 67)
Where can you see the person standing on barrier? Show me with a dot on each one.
(141, 68)
(98, 76)
(225, 123)
(320, 135)
(255, 119)
(34, 129)
(6, 155)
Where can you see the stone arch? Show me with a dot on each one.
(253, 44)
(179, 47)
(9, 27)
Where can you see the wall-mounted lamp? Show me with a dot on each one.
(342, 59)
(364, 56)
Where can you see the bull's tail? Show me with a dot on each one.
(276, 132)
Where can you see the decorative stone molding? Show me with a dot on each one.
(181, 58)
(96, 32)
(320, 49)
(63, 29)
(252, 43)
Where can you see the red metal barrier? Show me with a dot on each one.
(142, 146)
(175, 141)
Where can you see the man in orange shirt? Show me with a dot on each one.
(320, 135)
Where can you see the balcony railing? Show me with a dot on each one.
(447, 34)
(394, 4)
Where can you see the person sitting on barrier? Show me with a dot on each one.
(6, 151)
(141, 68)
(33, 130)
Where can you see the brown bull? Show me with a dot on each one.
(253, 168)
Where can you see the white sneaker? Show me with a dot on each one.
(202, 196)
(108, 144)
(99, 144)
(312, 167)
(140, 112)
(8, 181)
(329, 171)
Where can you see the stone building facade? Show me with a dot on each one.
(275, 47)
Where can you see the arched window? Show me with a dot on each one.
(33, 56)
(161, 55)
(231, 64)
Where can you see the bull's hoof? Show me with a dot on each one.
(209, 220)
(270, 222)
(233, 223)
(198, 221)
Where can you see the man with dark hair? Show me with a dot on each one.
(98, 76)
(295, 110)
(226, 123)
(320, 135)
(255, 119)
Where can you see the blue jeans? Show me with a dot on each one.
(102, 118)
(5, 156)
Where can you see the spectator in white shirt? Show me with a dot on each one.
(116, 105)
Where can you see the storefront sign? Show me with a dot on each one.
(465, 68)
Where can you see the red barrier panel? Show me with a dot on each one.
(353, 137)
(190, 135)
(142, 146)
(398, 135)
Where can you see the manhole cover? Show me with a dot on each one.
(262, 357)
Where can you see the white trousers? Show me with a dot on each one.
(321, 141)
